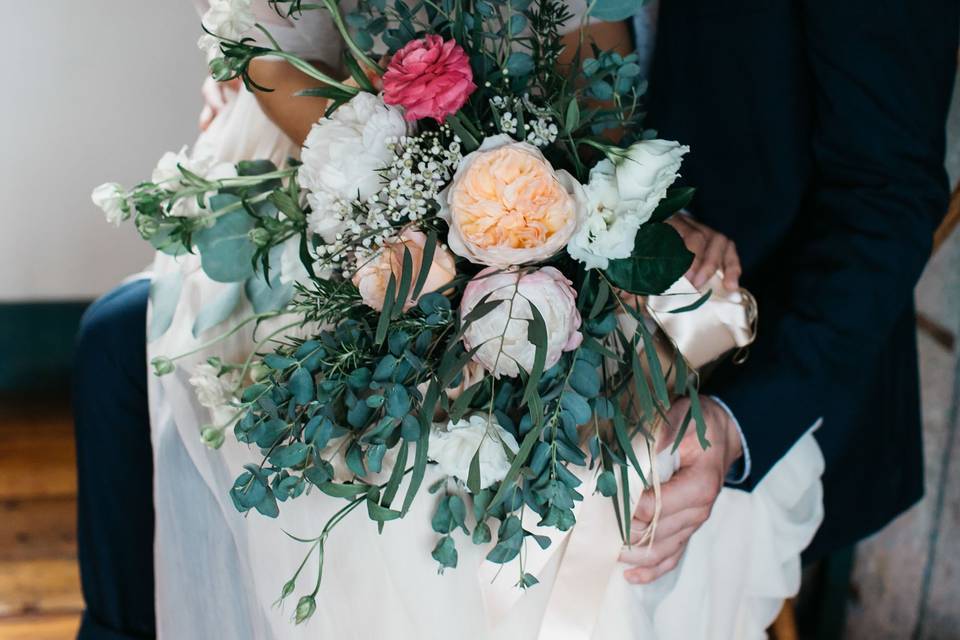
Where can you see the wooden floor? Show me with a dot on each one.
(39, 583)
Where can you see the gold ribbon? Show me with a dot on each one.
(726, 321)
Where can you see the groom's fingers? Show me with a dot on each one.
(731, 268)
(655, 566)
(688, 488)
(712, 259)
(650, 555)
(671, 524)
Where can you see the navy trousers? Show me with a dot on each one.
(115, 467)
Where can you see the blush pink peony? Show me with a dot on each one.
(429, 78)
(502, 334)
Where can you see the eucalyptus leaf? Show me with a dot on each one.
(164, 296)
(658, 260)
(226, 251)
(218, 309)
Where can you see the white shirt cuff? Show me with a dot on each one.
(732, 477)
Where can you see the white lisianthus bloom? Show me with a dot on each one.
(230, 19)
(644, 171)
(501, 334)
(453, 446)
(112, 200)
(167, 175)
(610, 224)
(342, 156)
(214, 391)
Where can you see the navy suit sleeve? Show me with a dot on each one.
(882, 72)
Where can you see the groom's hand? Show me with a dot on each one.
(688, 497)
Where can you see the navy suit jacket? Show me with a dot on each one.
(816, 130)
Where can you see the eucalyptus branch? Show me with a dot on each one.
(357, 52)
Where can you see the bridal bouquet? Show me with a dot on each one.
(461, 258)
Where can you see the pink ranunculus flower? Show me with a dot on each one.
(429, 78)
(373, 276)
(502, 333)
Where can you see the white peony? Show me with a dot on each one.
(645, 170)
(342, 156)
(214, 391)
(112, 200)
(453, 446)
(167, 175)
(501, 334)
(230, 19)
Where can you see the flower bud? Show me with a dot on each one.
(259, 371)
(305, 608)
(212, 437)
(220, 69)
(147, 227)
(259, 236)
(162, 365)
(287, 589)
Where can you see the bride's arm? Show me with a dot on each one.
(295, 115)
(292, 114)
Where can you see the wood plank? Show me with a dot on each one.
(39, 586)
(42, 627)
(38, 528)
(37, 454)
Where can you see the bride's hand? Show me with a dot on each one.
(215, 96)
(712, 250)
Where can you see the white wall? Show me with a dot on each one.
(90, 91)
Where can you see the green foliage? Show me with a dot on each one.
(658, 260)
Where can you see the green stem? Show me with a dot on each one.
(313, 72)
(224, 336)
(357, 52)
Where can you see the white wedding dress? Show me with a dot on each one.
(218, 572)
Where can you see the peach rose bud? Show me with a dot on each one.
(373, 276)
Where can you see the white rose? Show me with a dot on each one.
(112, 200)
(167, 175)
(342, 156)
(230, 19)
(453, 446)
(645, 170)
(501, 334)
(611, 223)
(212, 390)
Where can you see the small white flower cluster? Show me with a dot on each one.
(217, 392)
(540, 132)
(508, 123)
(230, 19)
(167, 175)
(411, 184)
(112, 200)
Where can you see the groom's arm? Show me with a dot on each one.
(882, 74)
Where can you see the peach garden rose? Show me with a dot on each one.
(373, 276)
(507, 206)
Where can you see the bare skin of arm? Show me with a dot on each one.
(296, 115)
(292, 114)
